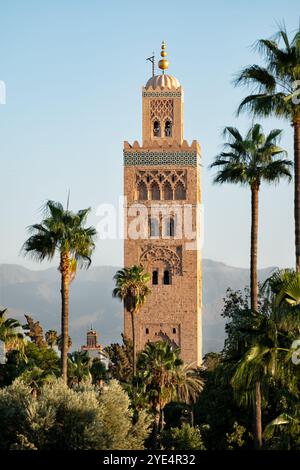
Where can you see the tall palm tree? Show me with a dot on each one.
(132, 288)
(163, 378)
(63, 232)
(249, 161)
(275, 91)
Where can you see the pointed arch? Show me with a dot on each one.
(142, 191)
(168, 128)
(156, 128)
(180, 192)
(168, 191)
(155, 192)
(167, 277)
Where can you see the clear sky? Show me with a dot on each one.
(74, 71)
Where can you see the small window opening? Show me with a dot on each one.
(155, 277)
(166, 277)
(168, 129)
(156, 129)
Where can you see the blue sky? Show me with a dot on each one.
(74, 71)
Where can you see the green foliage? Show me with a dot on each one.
(51, 338)
(121, 359)
(14, 401)
(257, 348)
(9, 332)
(184, 438)
(252, 159)
(236, 439)
(42, 362)
(98, 371)
(59, 342)
(272, 86)
(132, 287)
(216, 407)
(78, 366)
(63, 418)
(284, 431)
(64, 231)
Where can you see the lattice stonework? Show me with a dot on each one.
(161, 158)
(161, 110)
(173, 177)
(157, 94)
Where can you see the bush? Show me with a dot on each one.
(61, 418)
(184, 438)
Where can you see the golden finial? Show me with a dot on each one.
(163, 63)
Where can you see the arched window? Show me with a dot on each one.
(156, 129)
(167, 277)
(155, 278)
(147, 331)
(142, 191)
(155, 192)
(169, 227)
(153, 227)
(180, 191)
(168, 191)
(168, 129)
(174, 331)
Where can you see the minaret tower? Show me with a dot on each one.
(162, 184)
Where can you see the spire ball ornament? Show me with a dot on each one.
(163, 63)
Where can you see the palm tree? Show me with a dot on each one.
(9, 334)
(189, 384)
(80, 364)
(163, 378)
(275, 89)
(132, 288)
(250, 161)
(51, 338)
(268, 338)
(62, 232)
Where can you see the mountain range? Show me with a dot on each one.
(37, 293)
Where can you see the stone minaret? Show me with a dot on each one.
(162, 187)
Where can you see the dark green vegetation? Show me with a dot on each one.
(169, 404)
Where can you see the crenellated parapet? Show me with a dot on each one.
(162, 144)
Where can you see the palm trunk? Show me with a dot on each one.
(254, 304)
(296, 125)
(155, 430)
(162, 420)
(258, 421)
(134, 344)
(65, 284)
(254, 238)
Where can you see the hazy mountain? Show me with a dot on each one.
(38, 293)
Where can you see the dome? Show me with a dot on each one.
(163, 81)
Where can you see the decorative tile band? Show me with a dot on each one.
(160, 158)
(162, 94)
